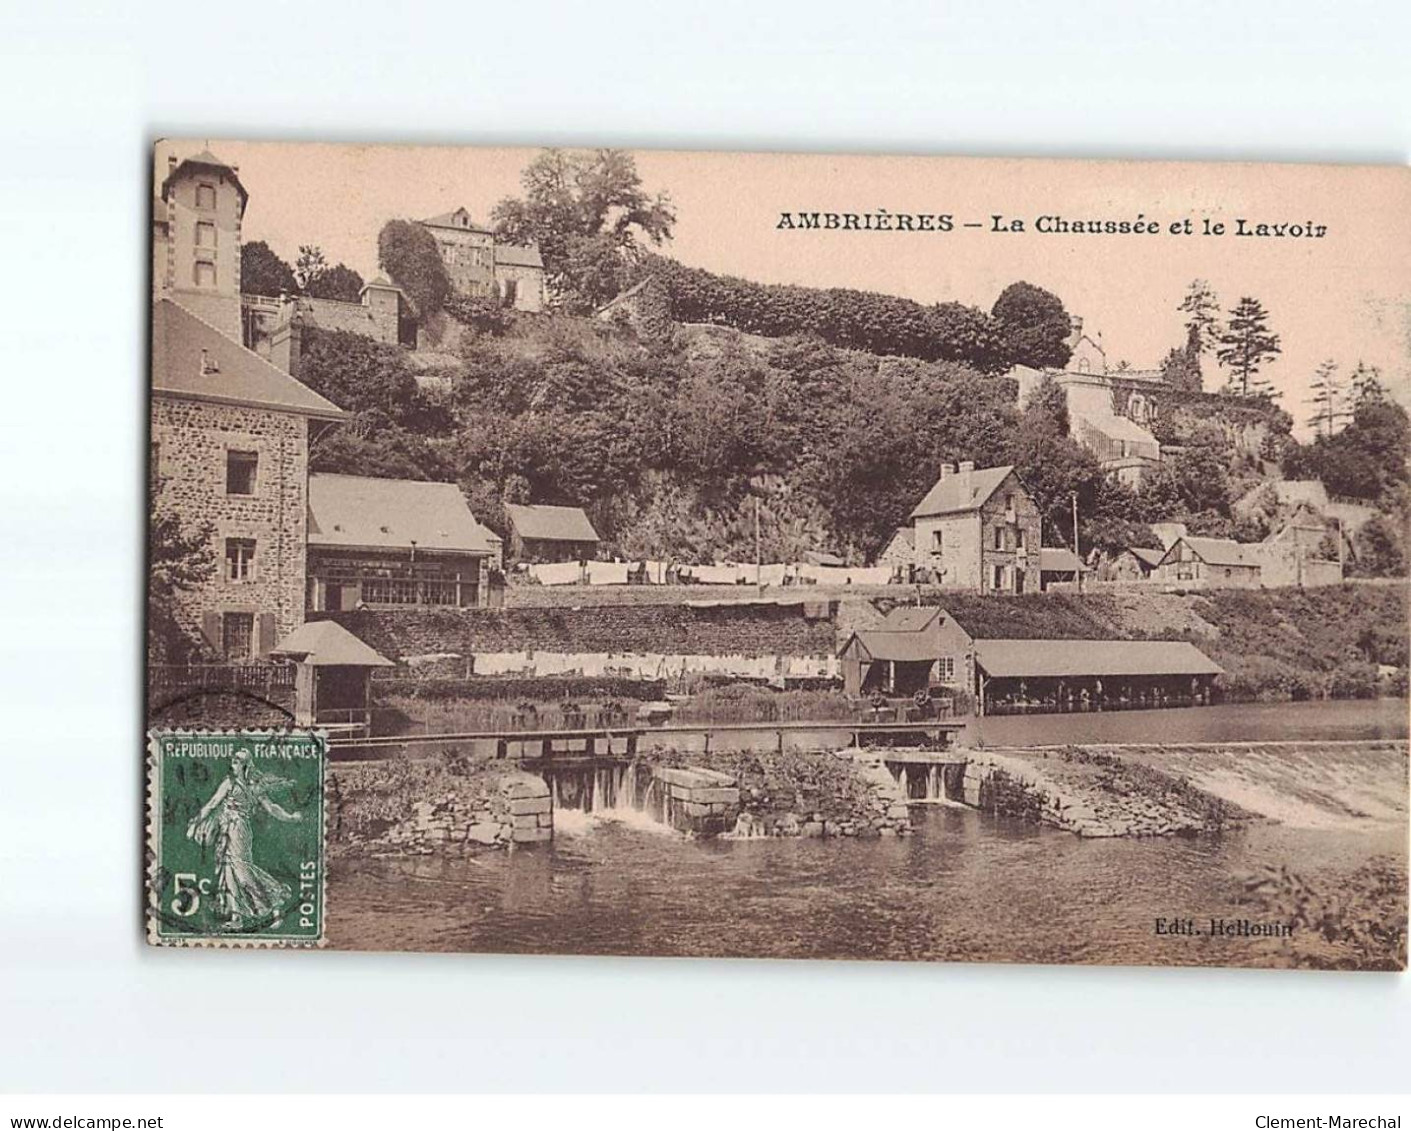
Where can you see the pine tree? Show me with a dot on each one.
(1201, 308)
(1366, 382)
(1245, 345)
(1329, 399)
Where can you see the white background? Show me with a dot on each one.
(84, 90)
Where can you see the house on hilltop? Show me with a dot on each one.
(395, 543)
(1115, 428)
(481, 266)
(542, 533)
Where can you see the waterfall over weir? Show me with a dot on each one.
(588, 796)
(937, 782)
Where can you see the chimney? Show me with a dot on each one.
(947, 470)
(1075, 331)
(171, 164)
(967, 472)
(285, 346)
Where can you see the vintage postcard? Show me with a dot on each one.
(778, 555)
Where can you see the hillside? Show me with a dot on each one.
(668, 443)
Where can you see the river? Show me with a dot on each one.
(964, 886)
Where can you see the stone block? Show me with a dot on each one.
(532, 836)
(897, 812)
(484, 832)
(546, 820)
(519, 806)
(525, 821)
(716, 796)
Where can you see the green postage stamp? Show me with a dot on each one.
(235, 837)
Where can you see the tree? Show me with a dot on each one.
(1035, 325)
(589, 215)
(1328, 399)
(409, 255)
(339, 282)
(1202, 309)
(1366, 383)
(1180, 368)
(180, 558)
(1245, 345)
(262, 272)
(310, 265)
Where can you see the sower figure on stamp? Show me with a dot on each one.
(246, 891)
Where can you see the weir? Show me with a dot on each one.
(927, 776)
(687, 799)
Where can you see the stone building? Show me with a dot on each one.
(1109, 413)
(230, 440)
(1214, 563)
(481, 266)
(393, 543)
(273, 325)
(978, 530)
(196, 220)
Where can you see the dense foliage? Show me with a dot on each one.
(862, 320)
(262, 272)
(589, 216)
(408, 253)
(672, 447)
(180, 558)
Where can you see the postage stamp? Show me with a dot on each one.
(235, 838)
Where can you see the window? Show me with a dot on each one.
(240, 472)
(203, 273)
(938, 542)
(238, 636)
(389, 591)
(945, 669)
(205, 196)
(999, 579)
(440, 591)
(205, 234)
(239, 559)
(1019, 538)
(999, 537)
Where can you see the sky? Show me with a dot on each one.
(1345, 296)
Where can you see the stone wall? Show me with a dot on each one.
(191, 439)
(1089, 793)
(417, 810)
(724, 630)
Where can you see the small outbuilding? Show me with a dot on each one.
(541, 533)
(332, 671)
(1060, 566)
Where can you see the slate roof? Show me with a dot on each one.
(1052, 658)
(1119, 428)
(957, 492)
(513, 256)
(327, 643)
(1220, 552)
(355, 512)
(1058, 560)
(1147, 555)
(904, 647)
(193, 360)
(551, 524)
(909, 618)
(208, 160)
(448, 220)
